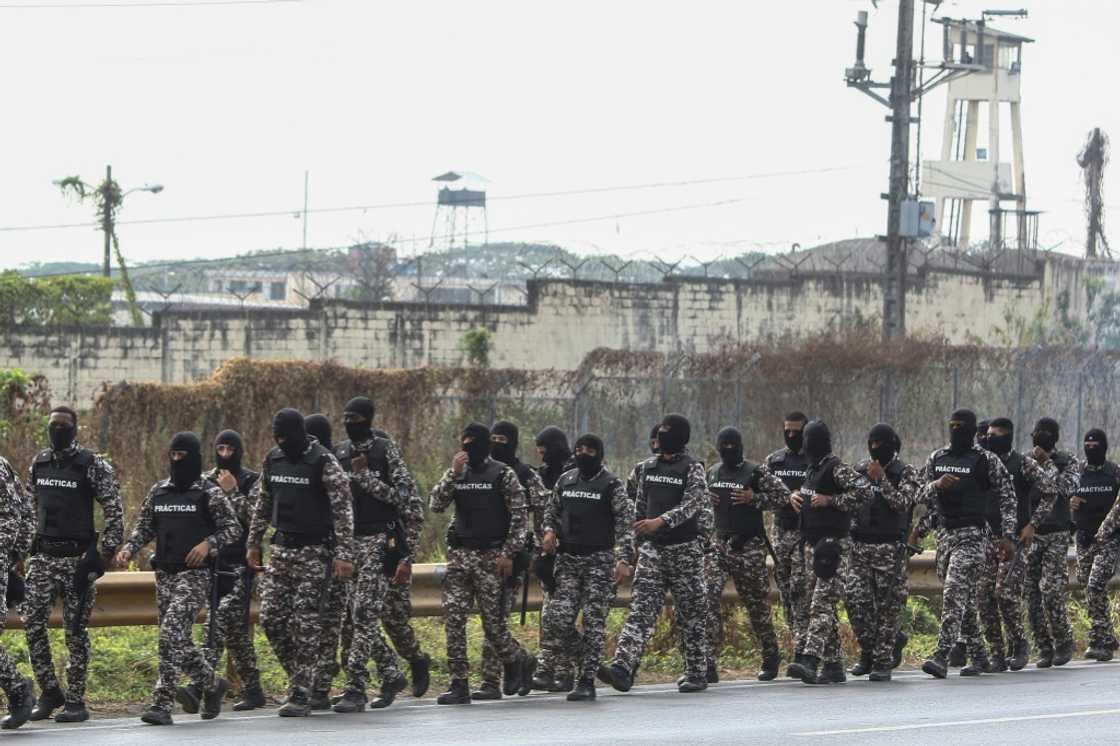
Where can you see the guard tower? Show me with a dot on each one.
(459, 210)
(985, 68)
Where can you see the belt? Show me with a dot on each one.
(61, 547)
(289, 540)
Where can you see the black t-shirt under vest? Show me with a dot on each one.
(1014, 464)
(1098, 488)
(829, 521)
(180, 520)
(586, 513)
(791, 468)
(300, 505)
(966, 503)
(371, 516)
(731, 519)
(481, 516)
(235, 553)
(65, 496)
(877, 522)
(663, 484)
(1058, 519)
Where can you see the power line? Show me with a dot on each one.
(428, 203)
(149, 4)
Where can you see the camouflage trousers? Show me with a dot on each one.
(789, 576)
(47, 579)
(472, 577)
(1096, 564)
(9, 674)
(821, 638)
(233, 631)
(962, 550)
(1047, 581)
(396, 625)
(336, 617)
(747, 569)
(999, 598)
(584, 586)
(492, 663)
(367, 603)
(179, 598)
(678, 569)
(872, 599)
(290, 593)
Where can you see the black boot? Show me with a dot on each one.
(900, 642)
(389, 691)
(1045, 658)
(791, 671)
(421, 670)
(1063, 653)
(979, 665)
(560, 684)
(805, 669)
(157, 716)
(997, 664)
(693, 684)
(525, 675)
(584, 691)
(543, 682)
(51, 700)
(712, 676)
(1020, 655)
(457, 694)
(350, 701)
(832, 673)
(936, 666)
(880, 673)
(21, 700)
(252, 697)
(297, 705)
(863, 667)
(958, 656)
(488, 690)
(771, 662)
(616, 676)
(212, 699)
(74, 712)
(1106, 655)
(320, 701)
(189, 698)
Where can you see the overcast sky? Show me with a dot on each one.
(228, 105)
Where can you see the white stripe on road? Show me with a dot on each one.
(956, 723)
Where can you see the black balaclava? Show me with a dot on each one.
(795, 441)
(186, 472)
(675, 437)
(555, 444)
(963, 436)
(888, 443)
(478, 449)
(1096, 446)
(362, 406)
(729, 443)
(818, 440)
(229, 438)
(589, 466)
(319, 426)
(289, 424)
(505, 452)
(655, 439)
(61, 436)
(1046, 434)
(982, 433)
(1002, 444)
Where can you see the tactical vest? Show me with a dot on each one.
(735, 520)
(877, 522)
(371, 516)
(481, 516)
(790, 468)
(180, 520)
(300, 505)
(1058, 518)
(1014, 464)
(966, 503)
(1098, 488)
(65, 496)
(235, 553)
(829, 521)
(586, 512)
(663, 485)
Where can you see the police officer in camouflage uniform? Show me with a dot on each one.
(1047, 568)
(491, 525)
(188, 517)
(671, 494)
(589, 523)
(65, 481)
(555, 455)
(790, 464)
(831, 494)
(1096, 514)
(305, 494)
(382, 487)
(740, 490)
(957, 481)
(17, 526)
(872, 597)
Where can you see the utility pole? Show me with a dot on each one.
(894, 285)
(306, 181)
(107, 209)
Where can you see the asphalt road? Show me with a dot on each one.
(1060, 705)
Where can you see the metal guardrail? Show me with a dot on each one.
(128, 598)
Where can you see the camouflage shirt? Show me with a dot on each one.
(902, 497)
(240, 503)
(336, 484)
(538, 497)
(400, 488)
(443, 495)
(17, 521)
(622, 507)
(854, 488)
(227, 529)
(1002, 488)
(107, 492)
